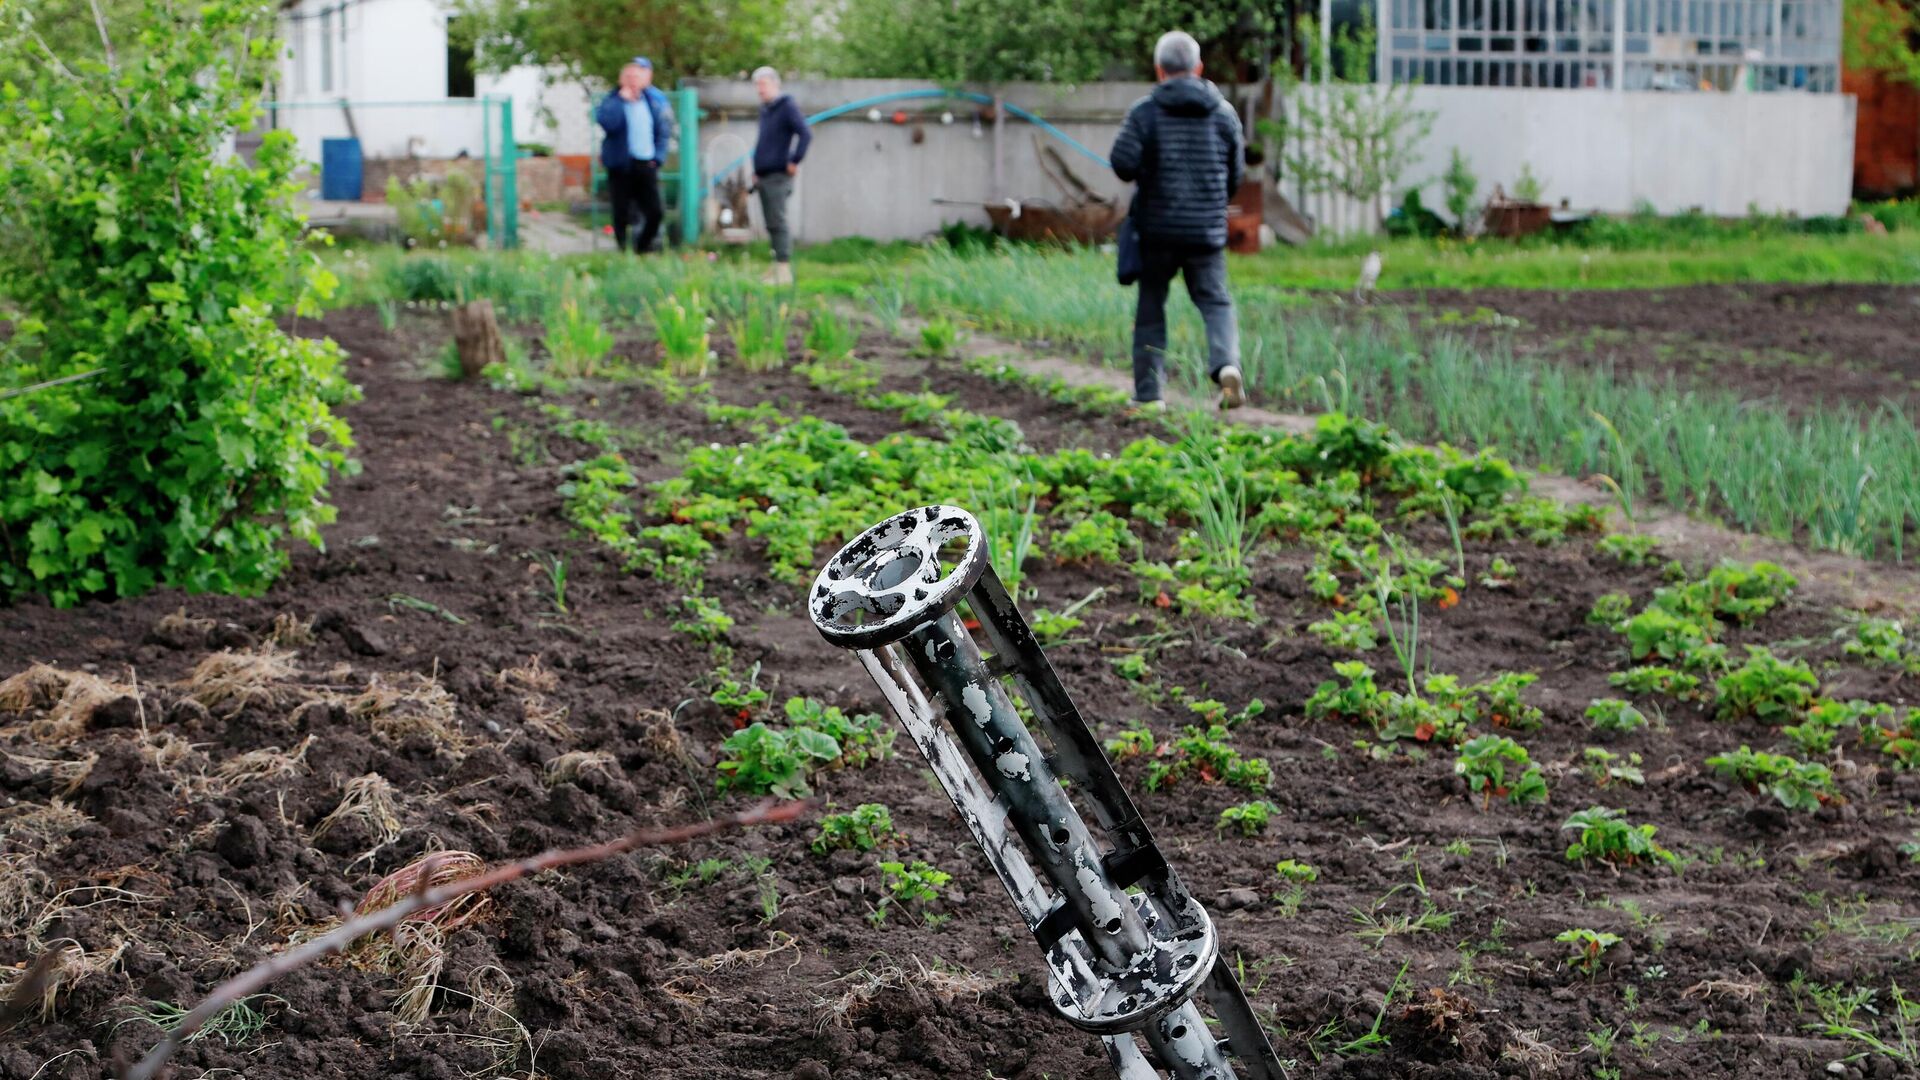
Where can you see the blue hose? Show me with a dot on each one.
(903, 95)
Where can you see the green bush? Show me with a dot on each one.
(133, 249)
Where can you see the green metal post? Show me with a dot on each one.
(510, 179)
(687, 106)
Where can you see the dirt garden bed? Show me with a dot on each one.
(418, 687)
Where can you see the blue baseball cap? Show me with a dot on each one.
(641, 61)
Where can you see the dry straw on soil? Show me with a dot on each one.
(65, 699)
(234, 679)
(407, 704)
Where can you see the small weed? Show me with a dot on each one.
(939, 337)
(1604, 767)
(1588, 947)
(236, 1025)
(1297, 875)
(917, 886)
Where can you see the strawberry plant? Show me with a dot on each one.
(1050, 626)
(938, 337)
(1352, 631)
(1826, 718)
(1497, 767)
(1605, 767)
(1657, 632)
(1884, 642)
(1633, 549)
(1797, 785)
(706, 621)
(908, 886)
(1899, 741)
(1214, 712)
(864, 828)
(1098, 537)
(735, 698)
(1501, 699)
(1206, 756)
(153, 273)
(1588, 947)
(763, 760)
(863, 738)
(1611, 610)
(1766, 688)
(1131, 667)
(1614, 716)
(1297, 875)
(1604, 834)
(1247, 818)
(1656, 680)
(1359, 700)
(1133, 742)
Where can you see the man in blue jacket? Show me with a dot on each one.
(784, 138)
(1183, 144)
(638, 121)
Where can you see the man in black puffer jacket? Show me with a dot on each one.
(1183, 144)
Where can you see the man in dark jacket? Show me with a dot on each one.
(784, 138)
(1183, 145)
(638, 121)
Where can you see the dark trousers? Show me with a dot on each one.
(1205, 272)
(775, 189)
(636, 187)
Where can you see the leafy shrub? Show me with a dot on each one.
(864, 828)
(1766, 687)
(1798, 785)
(1614, 716)
(434, 211)
(1604, 834)
(134, 247)
(763, 760)
(1498, 767)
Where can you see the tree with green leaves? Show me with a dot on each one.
(590, 39)
(1349, 135)
(1884, 35)
(157, 426)
(984, 41)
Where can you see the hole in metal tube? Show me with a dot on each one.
(1178, 1031)
(1112, 926)
(1060, 836)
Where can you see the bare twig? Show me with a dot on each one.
(254, 979)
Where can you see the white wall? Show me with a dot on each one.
(392, 68)
(1607, 151)
(1598, 149)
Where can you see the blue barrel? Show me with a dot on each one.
(341, 171)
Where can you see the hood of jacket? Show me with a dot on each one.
(1187, 95)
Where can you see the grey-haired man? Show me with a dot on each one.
(784, 138)
(1183, 145)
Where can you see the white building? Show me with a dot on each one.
(407, 93)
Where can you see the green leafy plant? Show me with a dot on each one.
(434, 211)
(1766, 687)
(706, 620)
(153, 271)
(683, 328)
(863, 828)
(1205, 755)
(1498, 767)
(1899, 741)
(1884, 641)
(863, 738)
(1797, 785)
(1246, 818)
(1633, 549)
(575, 339)
(1611, 609)
(1296, 875)
(1354, 631)
(1214, 712)
(939, 337)
(1604, 834)
(1604, 767)
(1131, 667)
(1654, 679)
(1588, 947)
(917, 886)
(736, 698)
(1461, 185)
(1500, 697)
(759, 334)
(1131, 743)
(1613, 716)
(830, 338)
(763, 760)
(1050, 626)
(1825, 719)
(1100, 537)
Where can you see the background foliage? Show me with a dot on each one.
(132, 245)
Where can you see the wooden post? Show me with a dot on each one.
(999, 148)
(476, 334)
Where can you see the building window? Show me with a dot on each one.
(326, 51)
(1673, 45)
(459, 61)
(296, 29)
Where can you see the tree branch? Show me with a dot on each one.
(254, 979)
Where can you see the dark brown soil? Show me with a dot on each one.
(1799, 343)
(615, 971)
